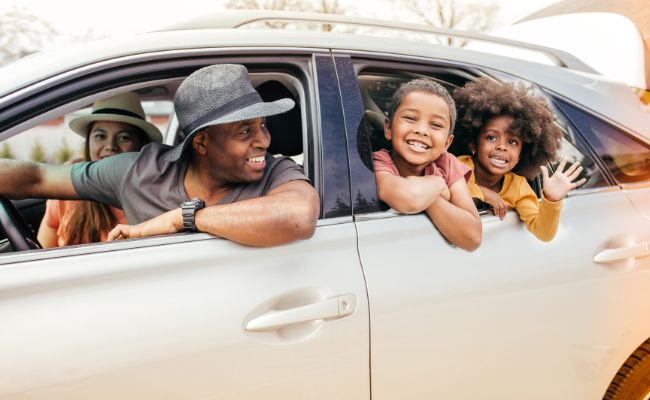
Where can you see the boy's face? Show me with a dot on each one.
(497, 148)
(419, 131)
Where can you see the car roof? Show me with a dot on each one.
(585, 89)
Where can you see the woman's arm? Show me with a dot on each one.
(458, 219)
(409, 195)
(47, 236)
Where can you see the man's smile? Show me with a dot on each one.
(256, 162)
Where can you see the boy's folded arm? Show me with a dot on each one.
(458, 220)
(408, 195)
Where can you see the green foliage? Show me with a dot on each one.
(64, 153)
(6, 151)
(37, 154)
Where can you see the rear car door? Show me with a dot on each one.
(517, 318)
(191, 315)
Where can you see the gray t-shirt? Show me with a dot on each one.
(144, 185)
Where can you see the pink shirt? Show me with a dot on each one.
(446, 166)
(59, 212)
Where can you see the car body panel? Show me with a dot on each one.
(176, 314)
(502, 320)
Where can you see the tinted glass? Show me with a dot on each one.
(627, 158)
(335, 196)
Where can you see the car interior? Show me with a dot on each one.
(288, 130)
(377, 88)
(20, 219)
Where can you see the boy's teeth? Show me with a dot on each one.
(256, 159)
(417, 144)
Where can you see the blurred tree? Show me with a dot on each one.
(37, 154)
(469, 15)
(321, 6)
(22, 33)
(6, 151)
(64, 153)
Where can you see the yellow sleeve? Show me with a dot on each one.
(541, 218)
(474, 190)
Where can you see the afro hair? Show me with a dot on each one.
(482, 99)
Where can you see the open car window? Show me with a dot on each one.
(52, 141)
(377, 88)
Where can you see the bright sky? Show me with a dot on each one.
(126, 16)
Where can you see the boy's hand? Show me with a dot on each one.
(499, 206)
(557, 186)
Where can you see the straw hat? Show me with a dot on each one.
(125, 107)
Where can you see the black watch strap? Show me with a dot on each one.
(188, 210)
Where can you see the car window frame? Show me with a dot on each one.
(43, 103)
(360, 62)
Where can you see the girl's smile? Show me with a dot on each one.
(497, 150)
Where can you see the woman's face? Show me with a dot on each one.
(107, 138)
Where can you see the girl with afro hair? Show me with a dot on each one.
(510, 135)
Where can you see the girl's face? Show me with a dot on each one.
(419, 131)
(497, 149)
(107, 138)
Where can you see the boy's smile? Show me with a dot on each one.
(419, 132)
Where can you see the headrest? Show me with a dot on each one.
(376, 124)
(286, 128)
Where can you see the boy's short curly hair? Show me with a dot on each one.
(427, 85)
(484, 98)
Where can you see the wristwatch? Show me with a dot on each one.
(188, 209)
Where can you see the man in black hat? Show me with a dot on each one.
(219, 180)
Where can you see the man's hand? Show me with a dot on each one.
(557, 186)
(496, 202)
(169, 222)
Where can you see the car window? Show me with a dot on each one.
(53, 142)
(627, 158)
(377, 89)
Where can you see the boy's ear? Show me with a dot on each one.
(387, 133)
(450, 140)
(199, 143)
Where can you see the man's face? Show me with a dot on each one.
(235, 151)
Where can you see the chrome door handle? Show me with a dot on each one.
(637, 250)
(333, 308)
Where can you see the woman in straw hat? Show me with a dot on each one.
(116, 125)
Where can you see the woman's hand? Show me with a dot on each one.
(496, 202)
(557, 186)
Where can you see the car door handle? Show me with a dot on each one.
(333, 308)
(636, 250)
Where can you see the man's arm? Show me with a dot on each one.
(287, 213)
(22, 179)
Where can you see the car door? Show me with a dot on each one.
(194, 316)
(517, 318)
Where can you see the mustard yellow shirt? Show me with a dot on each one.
(541, 218)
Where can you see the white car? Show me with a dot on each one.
(376, 304)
